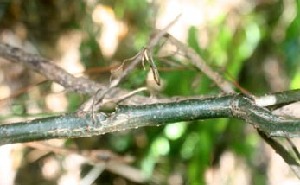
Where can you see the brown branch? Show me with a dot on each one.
(48, 69)
(199, 63)
(52, 72)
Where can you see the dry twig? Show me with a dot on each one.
(144, 54)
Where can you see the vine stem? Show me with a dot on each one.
(82, 124)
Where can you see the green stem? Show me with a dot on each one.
(85, 124)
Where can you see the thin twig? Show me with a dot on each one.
(134, 175)
(92, 175)
(198, 62)
(90, 156)
(100, 159)
(280, 150)
(294, 148)
(145, 53)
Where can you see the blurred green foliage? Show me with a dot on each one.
(239, 53)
